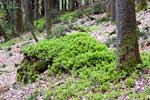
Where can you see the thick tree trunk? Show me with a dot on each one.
(128, 55)
(18, 17)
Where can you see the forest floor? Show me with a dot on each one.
(11, 55)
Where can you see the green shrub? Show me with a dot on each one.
(71, 52)
(146, 59)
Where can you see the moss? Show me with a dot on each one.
(127, 55)
(142, 5)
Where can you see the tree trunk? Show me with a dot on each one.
(108, 7)
(128, 55)
(29, 17)
(113, 13)
(36, 4)
(18, 17)
(48, 18)
(71, 5)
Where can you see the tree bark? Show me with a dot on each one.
(48, 18)
(128, 55)
(113, 10)
(18, 17)
(29, 16)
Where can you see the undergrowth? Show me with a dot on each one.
(90, 64)
(66, 54)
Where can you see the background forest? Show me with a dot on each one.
(74, 49)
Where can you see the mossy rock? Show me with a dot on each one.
(40, 66)
(28, 71)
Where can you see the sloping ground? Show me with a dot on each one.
(10, 90)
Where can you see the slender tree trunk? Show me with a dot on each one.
(128, 55)
(71, 5)
(18, 17)
(48, 18)
(108, 7)
(29, 17)
(36, 4)
(42, 8)
(113, 10)
(65, 5)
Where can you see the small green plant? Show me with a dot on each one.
(130, 82)
(31, 97)
(71, 16)
(104, 19)
(147, 90)
(104, 88)
(82, 28)
(146, 59)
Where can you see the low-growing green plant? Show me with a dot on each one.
(83, 28)
(146, 59)
(147, 90)
(71, 16)
(31, 97)
(7, 44)
(130, 82)
(104, 19)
